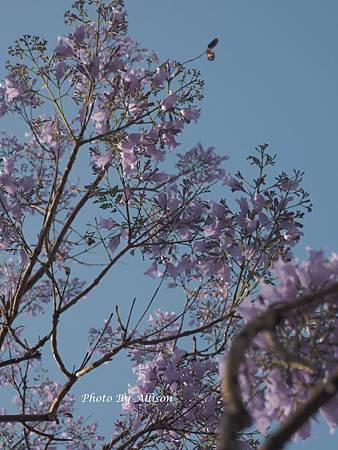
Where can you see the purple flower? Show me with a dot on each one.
(264, 220)
(128, 158)
(330, 413)
(159, 78)
(131, 82)
(17, 211)
(23, 257)
(7, 183)
(214, 229)
(251, 225)
(8, 165)
(201, 246)
(217, 210)
(303, 432)
(59, 70)
(116, 65)
(243, 204)
(156, 177)
(94, 66)
(233, 184)
(289, 185)
(258, 201)
(155, 153)
(169, 102)
(202, 165)
(152, 271)
(102, 161)
(13, 90)
(107, 224)
(3, 109)
(64, 48)
(100, 115)
(191, 114)
(79, 34)
(114, 242)
(117, 17)
(162, 199)
(172, 270)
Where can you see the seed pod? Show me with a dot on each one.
(212, 44)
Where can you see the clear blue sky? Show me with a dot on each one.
(274, 79)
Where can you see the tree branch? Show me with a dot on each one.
(321, 395)
(237, 417)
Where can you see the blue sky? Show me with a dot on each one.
(274, 80)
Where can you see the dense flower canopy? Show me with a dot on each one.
(100, 101)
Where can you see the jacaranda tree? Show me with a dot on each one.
(255, 341)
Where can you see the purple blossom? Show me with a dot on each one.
(13, 90)
(102, 161)
(7, 182)
(116, 65)
(128, 157)
(3, 109)
(131, 82)
(114, 242)
(152, 271)
(64, 48)
(191, 114)
(217, 210)
(100, 115)
(202, 165)
(94, 66)
(234, 184)
(159, 77)
(59, 70)
(329, 411)
(108, 224)
(169, 102)
(79, 34)
(276, 399)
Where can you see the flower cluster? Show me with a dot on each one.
(284, 366)
(70, 431)
(171, 372)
